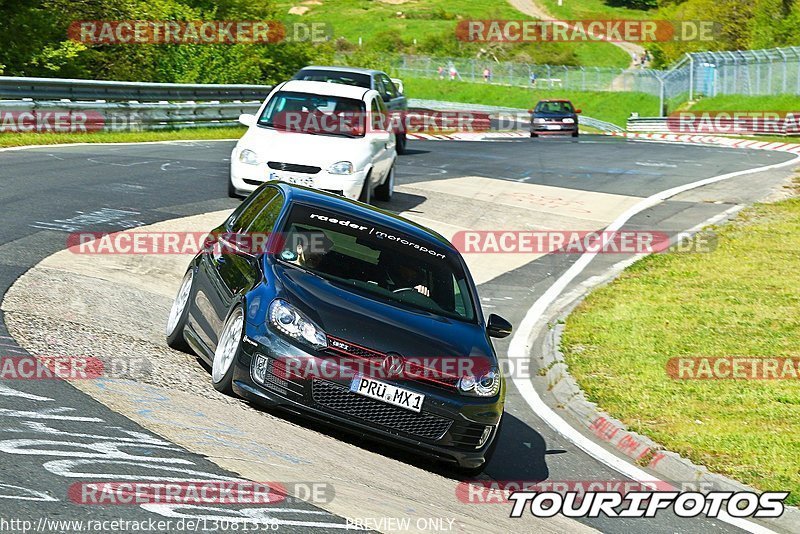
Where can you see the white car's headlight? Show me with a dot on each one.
(486, 385)
(568, 120)
(290, 321)
(538, 121)
(341, 167)
(249, 157)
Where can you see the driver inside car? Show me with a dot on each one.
(400, 276)
(311, 248)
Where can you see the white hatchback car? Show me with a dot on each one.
(305, 133)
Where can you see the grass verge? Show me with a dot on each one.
(417, 21)
(609, 106)
(24, 139)
(740, 300)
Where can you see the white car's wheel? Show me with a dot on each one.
(385, 191)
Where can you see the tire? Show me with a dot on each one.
(400, 146)
(366, 190)
(534, 134)
(228, 348)
(386, 189)
(475, 471)
(232, 190)
(179, 314)
(575, 133)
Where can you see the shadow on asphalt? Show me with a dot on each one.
(520, 453)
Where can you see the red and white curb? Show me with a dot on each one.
(732, 142)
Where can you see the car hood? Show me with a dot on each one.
(292, 147)
(372, 323)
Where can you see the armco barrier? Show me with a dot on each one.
(41, 89)
(152, 106)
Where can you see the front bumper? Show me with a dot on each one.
(246, 179)
(449, 427)
(551, 128)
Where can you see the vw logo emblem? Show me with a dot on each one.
(393, 364)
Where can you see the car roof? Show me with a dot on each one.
(325, 200)
(356, 70)
(326, 89)
(555, 100)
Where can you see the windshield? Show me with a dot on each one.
(314, 114)
(379, 261)
(332, 76)
(554, 107)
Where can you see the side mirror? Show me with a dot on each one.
(498, 327)
(530, 111)
(578, 111)
(247, 119)
(386, 97)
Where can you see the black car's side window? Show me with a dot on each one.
(391, 90)
(380, 87)
(242, 218)
(264, 223)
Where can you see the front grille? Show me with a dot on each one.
(252, 182)
(467, 434)
(412, 371)
(341, 399)
(293, 167)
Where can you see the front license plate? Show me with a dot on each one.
(387, 393)
(296, 180)
(553, 126)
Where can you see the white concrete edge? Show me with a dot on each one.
(520, 345)
(59, 145)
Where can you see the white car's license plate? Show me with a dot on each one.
(387, 393)
(296, 180)
(553, 126)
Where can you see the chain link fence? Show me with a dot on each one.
(528, 75)
(751, 72)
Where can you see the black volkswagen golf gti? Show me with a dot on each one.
(331, 308)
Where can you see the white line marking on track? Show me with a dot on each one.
(519, 347)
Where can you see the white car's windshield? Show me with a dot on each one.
(314, 114)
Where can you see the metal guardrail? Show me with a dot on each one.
(150, 106)
(41, 89)
(126, 116)
(719, 126)
(648, 124)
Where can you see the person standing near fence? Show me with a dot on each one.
(453, 72)
(533, 79)
(440, 70)
(486, 74)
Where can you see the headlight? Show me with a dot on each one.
(487, 385)
(290, 321)
(249, 157)
(538, 121)
(568, 120)
(341, 167)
